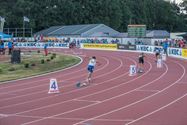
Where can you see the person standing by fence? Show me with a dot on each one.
(165, 47)
(2, 47)
(10, 47)
(45, 49)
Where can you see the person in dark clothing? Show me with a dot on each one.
(141, 62)
(10, 46)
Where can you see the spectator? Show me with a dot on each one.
(165, 46)
(10, 47)
(2, 47)
(45, 49)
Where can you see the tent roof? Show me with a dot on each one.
(3, 35)
(158, 34)
(85, 30)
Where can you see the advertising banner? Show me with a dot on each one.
(38, 45)
(126, 47)
(145, 48)
(176, 52)
(100, 46)
(184, 53)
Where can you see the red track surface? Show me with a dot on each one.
(156, 97)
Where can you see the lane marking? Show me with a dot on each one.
(59, 87)
(184, 71)
(4, 115)
(182, 82)
(86, 100)
(67, 93)
(14, 81)
(45, 79)
(143, 90)
(64, 93)
(78, 119)
(161, 108)
(91, 104)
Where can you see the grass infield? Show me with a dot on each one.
(34, 63)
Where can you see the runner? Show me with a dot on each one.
(157, 54)
(141, 62)
(90, 68)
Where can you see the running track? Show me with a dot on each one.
(155, 97)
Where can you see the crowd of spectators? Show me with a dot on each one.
(86, 40)
(181, 43)
(139, 42)
(3, 48)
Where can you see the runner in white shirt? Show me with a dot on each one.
(91, 66)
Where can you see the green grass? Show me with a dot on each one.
(10, 71)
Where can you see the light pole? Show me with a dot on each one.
(2, 21)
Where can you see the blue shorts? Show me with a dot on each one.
(90, 68)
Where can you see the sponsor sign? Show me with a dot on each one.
(132, 47)
(126, 47)
(184, 53)
(177, 52)
(100, 46)
(123, 47)
(145, 48)
(161, 50)
(38, 45)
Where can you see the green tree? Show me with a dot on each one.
(156, 14)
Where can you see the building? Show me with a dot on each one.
(157, 34)
(86, 30)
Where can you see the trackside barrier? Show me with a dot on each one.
(38, 45)
(172, 52)
(148, 49)
(184, 53)
(100, 46)
(175, 52)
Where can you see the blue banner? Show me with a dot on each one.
(145, 48)
(175, 52)
(38, 45)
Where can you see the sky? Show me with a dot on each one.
(178, 1)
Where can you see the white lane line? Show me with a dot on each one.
(67, 92)
(94, 103)
(86, 100)
(143, 90)
(182, 82)
(78, 119)
(14, 81)
(71, 92)
(57, 76)
(137, 101)
(3, 115)
(118, 109)
(161, 108)
(76, 76)
(178, 99)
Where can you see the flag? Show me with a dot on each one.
(2, 19)
(25, 19)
